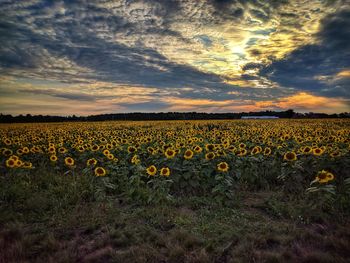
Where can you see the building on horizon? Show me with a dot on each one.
(259, 117)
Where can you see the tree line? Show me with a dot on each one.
(141, 116)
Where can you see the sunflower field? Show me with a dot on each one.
(155, 161)
(161, 162)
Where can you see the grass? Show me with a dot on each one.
(58, 218)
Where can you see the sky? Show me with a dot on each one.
(93, 57)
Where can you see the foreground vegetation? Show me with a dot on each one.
(199, 191)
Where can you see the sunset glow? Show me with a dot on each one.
(67, 57)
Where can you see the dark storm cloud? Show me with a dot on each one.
(87, 42)
(252, 65)
(27, 46)
(314, 67)
(146, 106)
(60, 94)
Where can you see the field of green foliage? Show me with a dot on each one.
(175, 191)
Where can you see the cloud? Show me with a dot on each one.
(135, 55)
(302, 68)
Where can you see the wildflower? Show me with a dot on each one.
(18, 163)
(241, 145)
(62, 150)
(135, 159)
(25, 150)
(307, 150)
(317, 151)
(95, 148)
(241, 152)
(151, 170)
(110, 156)
(10, 163)
(188, 154)
(210, 156)
(330, 176)
(197, 149)
(53, 158)
(14, 157)
(91, 162)
(335, 154)
(52, 150)
(69, 161)
(132, 149)
(324, 176)
(210, 147)
(267, 151)
(7, 142)
(169, 153)
(7, 152)
(99, 171)
(27, 165)
(290, 156)
(222, 167)
(165, 171)
(255, 150)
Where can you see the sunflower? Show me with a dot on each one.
(109, 146)
(151, 170)
(132, 149)
(91, 162)
(335, 154)
(52, 149)
(165, 171)
(290, 156)
(220, 153)
(135, 159)
(241, 145)
(27, 165)
(210, 147)
(7, 142)
(241, 152)
(95, 148)
(18, 163)
(330, 176)
(81, 148)
(110, 156)
(210, 156)
(14, 157)
(100, 171)
(255, 150)
(106, 152)
(322, 176)
(222, 167)
(7, 152)
(307, 150)
(231, 148)
(62, 150)
(10, 163)
(170, 153)
(25, 150)
(317, 151)
(69, 161)
(53, 158)
(188, 154)
(150, 150)
(198, 149)
(267, 151)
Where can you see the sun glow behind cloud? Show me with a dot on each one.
(213, 56)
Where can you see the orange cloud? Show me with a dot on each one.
(301, 102)
(306, 102)
(344, 74)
